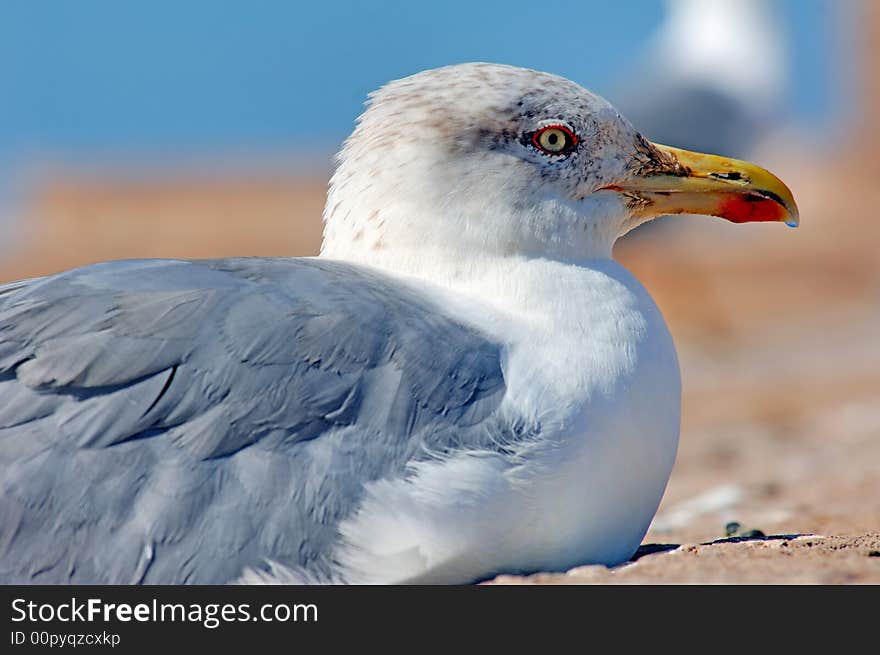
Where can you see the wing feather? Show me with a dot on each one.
(173, 421)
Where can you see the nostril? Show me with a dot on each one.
(732, 176)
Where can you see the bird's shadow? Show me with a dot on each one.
(653, 549)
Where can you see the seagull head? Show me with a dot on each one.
(491, 159)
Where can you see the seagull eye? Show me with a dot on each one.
(554, 140)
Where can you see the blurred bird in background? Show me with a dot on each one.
(713, 77)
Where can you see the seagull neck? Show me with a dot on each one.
(457, 242)
(537, 286)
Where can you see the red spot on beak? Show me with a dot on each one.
(750, 208)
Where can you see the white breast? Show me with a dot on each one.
(603, 379)
(589, 359)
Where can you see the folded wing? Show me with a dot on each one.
(179, 421)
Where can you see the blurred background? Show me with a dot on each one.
(205, 129)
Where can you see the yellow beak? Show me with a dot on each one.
(665, 180)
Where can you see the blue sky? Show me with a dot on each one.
(186, 76)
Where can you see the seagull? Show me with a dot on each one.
(464, 382)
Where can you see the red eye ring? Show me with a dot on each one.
(546, 140)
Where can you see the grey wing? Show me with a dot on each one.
(178, 422)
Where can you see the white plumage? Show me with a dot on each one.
(527, 261)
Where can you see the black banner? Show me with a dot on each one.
(130, 619)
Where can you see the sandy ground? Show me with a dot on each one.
(780, 559)
(777, 332)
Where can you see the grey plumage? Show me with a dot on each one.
(179, 421)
